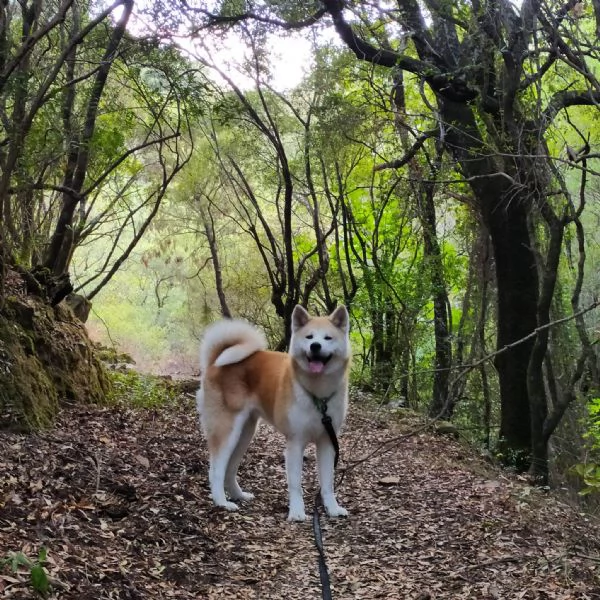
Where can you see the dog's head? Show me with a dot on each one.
(320, 344)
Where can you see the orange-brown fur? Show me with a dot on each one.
(264, 378)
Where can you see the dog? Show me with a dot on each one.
(242, 382)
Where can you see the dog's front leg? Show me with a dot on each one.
(326, 465)
(293, 465)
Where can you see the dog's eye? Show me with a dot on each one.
(309, 337)
(328, 337)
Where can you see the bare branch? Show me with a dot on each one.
(215, 19)
(397, 164)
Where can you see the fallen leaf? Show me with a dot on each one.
(142, 460)
(389, 480)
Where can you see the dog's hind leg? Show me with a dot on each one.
(220, 454)
(231, 485)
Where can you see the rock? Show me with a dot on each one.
(80, 306)
(446, 428)
(46, 359)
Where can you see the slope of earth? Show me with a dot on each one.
(119, 499)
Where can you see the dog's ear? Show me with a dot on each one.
(339, 317)
(299, 317)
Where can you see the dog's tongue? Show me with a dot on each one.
(316, 366)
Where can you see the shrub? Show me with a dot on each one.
(140, 390)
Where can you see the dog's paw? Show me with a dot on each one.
(231, 506)
(244, 496)
(336, 511)
(296, 516)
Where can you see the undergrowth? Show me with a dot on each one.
(140, 390)
(589, 471)
(18, 561)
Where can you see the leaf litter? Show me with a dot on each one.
(119, 499)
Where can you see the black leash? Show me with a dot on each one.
(321, 404)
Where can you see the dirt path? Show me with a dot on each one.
(119, 499)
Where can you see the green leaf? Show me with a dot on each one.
(20, 560)
(39, 579)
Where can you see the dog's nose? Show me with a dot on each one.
(315, 347)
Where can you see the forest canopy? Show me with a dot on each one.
(435, 170)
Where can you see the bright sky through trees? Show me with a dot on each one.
(289, 54)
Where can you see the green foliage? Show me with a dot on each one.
(512, 458)
(590, 475)
(337, 130)
(232, 7)
(139, 390)
(37, 574)
(227, 109)
(590, 470)
(593, 430)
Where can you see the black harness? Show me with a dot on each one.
(321, 405)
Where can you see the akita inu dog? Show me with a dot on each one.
(242, 382)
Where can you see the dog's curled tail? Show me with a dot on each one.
(228, 342)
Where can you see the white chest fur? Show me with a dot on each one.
(305, 418)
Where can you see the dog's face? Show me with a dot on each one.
(320, 344)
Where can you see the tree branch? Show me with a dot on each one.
(565, 98)
(410, 154)
(215, 19)
(450, 87)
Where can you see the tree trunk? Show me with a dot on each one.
(504, 205)
(485, 386)
(432, 255)
(209, 230)
(535, 381)
(517, 291)
(60, 248)
(424, 187)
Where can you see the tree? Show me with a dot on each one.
(25, 96)
(94, 127)
(272, 190)
(74, 148)
(491, 75)
(423, 182)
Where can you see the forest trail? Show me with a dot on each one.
(119, 498)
